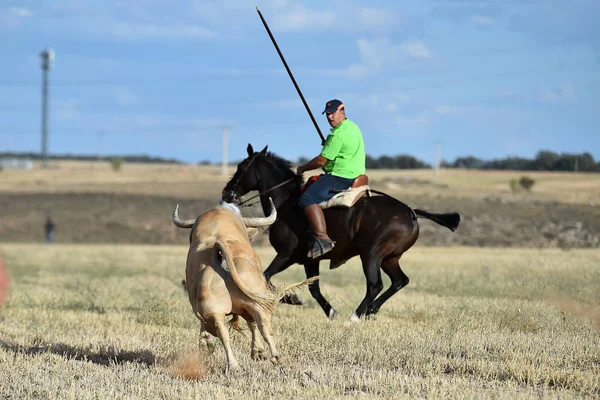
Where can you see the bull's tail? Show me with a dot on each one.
(449, 220)
(285, 289)
(267, 300)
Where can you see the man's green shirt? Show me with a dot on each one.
(345, 151)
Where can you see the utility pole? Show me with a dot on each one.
(437, 158)
(47, 56)
(224, 167)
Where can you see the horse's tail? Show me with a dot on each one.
(449, 220)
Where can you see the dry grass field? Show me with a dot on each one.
(92, 320)
(112, 321)
(185, 181)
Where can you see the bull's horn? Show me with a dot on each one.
(262, 221)
(187, 223)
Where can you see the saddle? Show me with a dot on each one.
(345, 198)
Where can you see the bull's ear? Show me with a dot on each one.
(252, 232)
(250, 150)
(264, 151)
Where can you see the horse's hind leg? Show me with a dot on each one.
(312, 269)
(371, 263)
(399, 279)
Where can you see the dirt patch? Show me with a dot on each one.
(126, 218)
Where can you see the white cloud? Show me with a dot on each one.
(125, 97)
(564, 93)
(423, 117)
(64, 110)
(417, 48)
(381, 53)
(482, 20)
(389, 103)
(377, 17)
(300, 19)
(147, 123)
(155, 19)
(21, 12)
(13, 17)
(371, 103)
(419, 119)
(295, 17)
(401, 97)
(126, 20)
(391, 108)
(283, 104)
(140, 31)
(376, 55)
(450, 110)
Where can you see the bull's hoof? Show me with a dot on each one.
(207, 346)
(292, 299)
(231, 367)
(276, 360)
(259, 355)
(206, 343)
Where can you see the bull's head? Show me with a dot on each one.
(250, 222)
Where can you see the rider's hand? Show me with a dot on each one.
(299, 170)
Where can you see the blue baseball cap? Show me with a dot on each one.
(332, 106)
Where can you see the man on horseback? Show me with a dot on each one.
(342, 159)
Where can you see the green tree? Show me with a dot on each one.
(526, 183)
(116, 163)
(545, 160)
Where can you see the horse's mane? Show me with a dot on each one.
(284, 165)
(278, 160)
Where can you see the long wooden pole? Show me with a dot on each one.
(291, 76)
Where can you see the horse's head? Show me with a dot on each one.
(246, 177)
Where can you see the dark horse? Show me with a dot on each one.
(377, 228)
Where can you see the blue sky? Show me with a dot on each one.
(489, 78)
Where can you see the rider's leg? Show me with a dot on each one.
(323, 242)
(321, 190)
(316, 218)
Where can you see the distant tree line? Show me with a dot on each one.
(402, 161)
(82, 157)
(544, 161)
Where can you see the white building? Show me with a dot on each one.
(15, 163)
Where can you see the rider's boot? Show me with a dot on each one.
(322, 243)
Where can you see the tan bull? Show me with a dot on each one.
(224, 277)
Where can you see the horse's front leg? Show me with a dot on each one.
(280, 263)
(312, 269)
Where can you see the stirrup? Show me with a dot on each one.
(320, 247)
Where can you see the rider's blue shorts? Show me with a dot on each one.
(323, 189)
